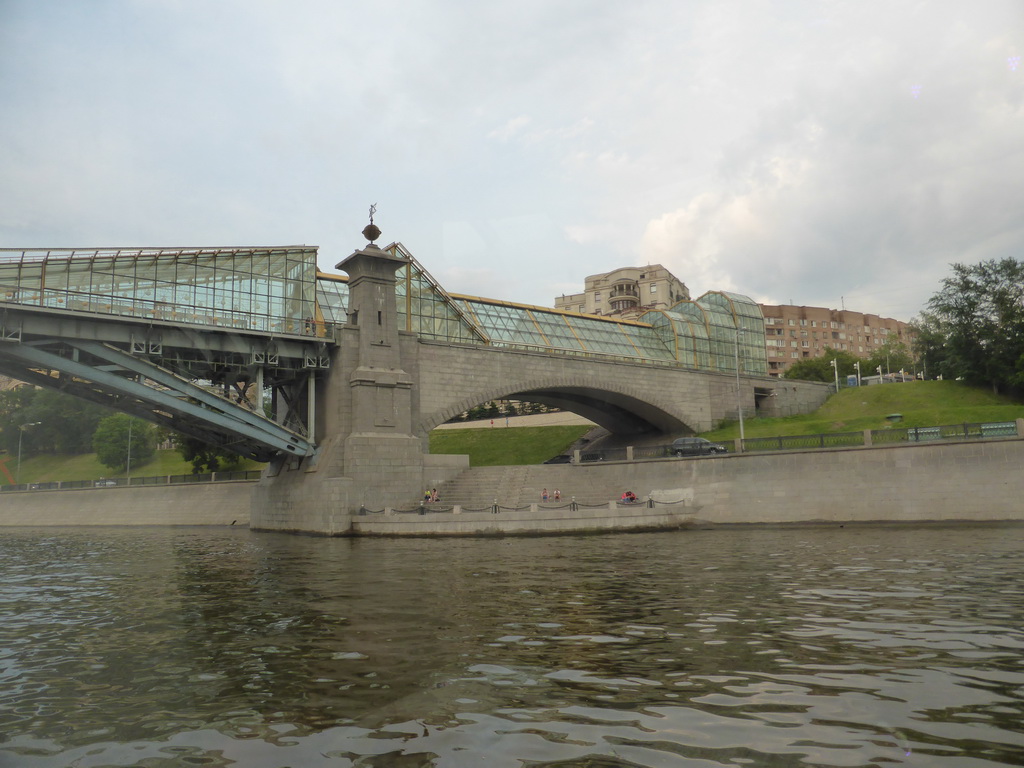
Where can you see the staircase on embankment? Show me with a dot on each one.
(519, 486)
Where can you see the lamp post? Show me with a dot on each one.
(128, 472)
(21, 433)
(739, 400)
(857, 366)
(880, 379)
(835, 370)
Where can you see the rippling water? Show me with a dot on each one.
(810, 647)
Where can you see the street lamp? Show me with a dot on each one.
(835, 369)
(857, 366)
(128, 473)
(21, 433)
(739, 400)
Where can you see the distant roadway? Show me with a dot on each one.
(559, 419)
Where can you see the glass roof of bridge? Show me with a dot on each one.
(700, 334)
(278, 290)
(270, 290)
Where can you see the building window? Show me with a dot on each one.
(792, 321)
(654, 288)
(597, 297)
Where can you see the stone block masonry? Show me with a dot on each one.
(196, 504)
(977, 481)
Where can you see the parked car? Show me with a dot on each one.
(105, 483)
(696, 446)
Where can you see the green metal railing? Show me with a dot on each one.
(124, 482)
(890, 436)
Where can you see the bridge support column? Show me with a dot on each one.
(369, 457)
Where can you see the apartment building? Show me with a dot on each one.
(792, 333)
(795, 333)
(627, 292)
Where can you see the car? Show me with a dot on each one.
(562, 458)
(105, 483)
(696, 446)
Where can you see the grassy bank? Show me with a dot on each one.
(922, 404)
(49, 468)
(496, 447)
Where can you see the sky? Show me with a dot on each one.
(836, 153)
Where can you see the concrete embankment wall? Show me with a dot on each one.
(979, 481)
(192, 504)
(975, 481)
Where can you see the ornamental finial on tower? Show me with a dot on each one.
(371, 232)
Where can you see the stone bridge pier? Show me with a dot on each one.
(387, 390)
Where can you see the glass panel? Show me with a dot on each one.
(243, 288)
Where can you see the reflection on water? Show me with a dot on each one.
(811, 647)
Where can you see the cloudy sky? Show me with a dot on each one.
(820, 152)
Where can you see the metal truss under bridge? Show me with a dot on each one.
(246, 384)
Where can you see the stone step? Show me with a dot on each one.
(517, 486)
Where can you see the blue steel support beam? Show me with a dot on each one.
(225, 417)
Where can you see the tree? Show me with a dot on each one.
(203, 456)
(117, 434)
(15, 410)
(892, 356)
(68, 422)
(980, 309)
(64, 424)
(928, 344)
(820, 368)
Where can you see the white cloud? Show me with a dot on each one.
(807, 151)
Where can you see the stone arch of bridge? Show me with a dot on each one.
(624, 413)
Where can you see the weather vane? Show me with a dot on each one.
(371, 232)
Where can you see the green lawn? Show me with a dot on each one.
(922, 403)
(497, 447)
(48, 468)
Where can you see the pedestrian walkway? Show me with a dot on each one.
(558, 419)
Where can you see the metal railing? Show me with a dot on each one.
(945, 432)
(804, 442)
(888, 436)
(124, 482)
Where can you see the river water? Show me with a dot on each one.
(856, 646)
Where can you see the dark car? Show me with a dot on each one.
(696, 446)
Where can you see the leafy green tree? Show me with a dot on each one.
(980, 309)
(204, 457)
(820, 368)
(15, 410)
(928, 343)
(117, 434)
(63, 424)
(893, 356)
(68, 422)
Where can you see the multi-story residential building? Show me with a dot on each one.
(796, 333)
(626, 292)
(792, 333)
